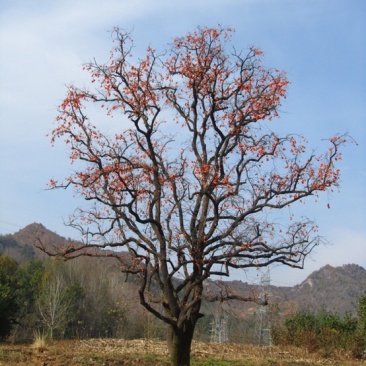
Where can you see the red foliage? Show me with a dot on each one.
(189, 184)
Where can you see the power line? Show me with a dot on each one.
(9, 223)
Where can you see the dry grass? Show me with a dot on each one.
(116, 352)
(213, 351)
(40, 342)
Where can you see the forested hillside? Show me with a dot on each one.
(89, 297)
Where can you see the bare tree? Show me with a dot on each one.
(54, 305)
(193, 181)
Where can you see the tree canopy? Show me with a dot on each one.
(191, 182)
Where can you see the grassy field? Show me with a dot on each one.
(112, 352)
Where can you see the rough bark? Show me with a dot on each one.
(179, 343)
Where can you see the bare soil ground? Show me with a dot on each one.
(116, 352)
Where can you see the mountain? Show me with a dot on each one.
(334, 289)
(33, 233)
(22, 245)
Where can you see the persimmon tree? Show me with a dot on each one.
(192, 183)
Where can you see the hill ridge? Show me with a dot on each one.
(334, 289)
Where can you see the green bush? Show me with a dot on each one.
(323, 331)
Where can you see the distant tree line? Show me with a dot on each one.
(86, 299)
(68, 300)
(89, 299)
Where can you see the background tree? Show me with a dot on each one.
(55, 303)
(360, 336)
(361, 312)
(29, 276)
(102, 312)
(192, 183)
(8, 295)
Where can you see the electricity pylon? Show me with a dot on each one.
(263, 329)
(219, 327)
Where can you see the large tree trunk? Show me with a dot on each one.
(179, 343)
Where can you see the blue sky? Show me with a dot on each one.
(321, 45)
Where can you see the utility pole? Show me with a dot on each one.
(263, 329)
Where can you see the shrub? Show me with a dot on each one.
(323, 331)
